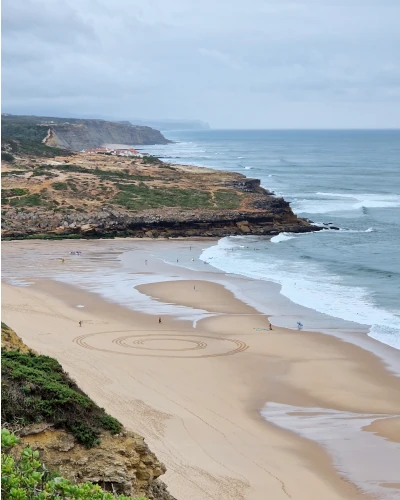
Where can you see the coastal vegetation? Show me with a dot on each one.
(51, 193)
(134, 187)
(20, 144)
(25, 477)
(36, 389)
(85, 454)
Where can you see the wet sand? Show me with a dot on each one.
(195, 389)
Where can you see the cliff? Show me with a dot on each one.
(75, 133)
(95, 133)
(74, 437)
(106, 196)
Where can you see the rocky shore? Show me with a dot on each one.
(95, 196)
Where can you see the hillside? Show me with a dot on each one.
(105, 196)
(76, 438)
(77, 134)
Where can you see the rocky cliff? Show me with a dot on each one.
(95, 133)
(106, 196)
(121, 464)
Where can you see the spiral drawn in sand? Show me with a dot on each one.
(164, 344)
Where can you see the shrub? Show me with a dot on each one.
(150, 159)
(31, 200)
(224, 198)
(35, 388)
(7, 157)
(24, 477)
(140, 197)
(60, 186)
(14, 192)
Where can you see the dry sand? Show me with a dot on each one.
(196, 393)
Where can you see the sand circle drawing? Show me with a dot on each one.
(164, 344)
(160, 341)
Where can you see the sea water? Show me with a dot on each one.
(344, 179)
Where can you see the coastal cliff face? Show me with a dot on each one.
(95, 133)
(104, 196)
(121, 464)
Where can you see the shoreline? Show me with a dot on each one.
(271, 368)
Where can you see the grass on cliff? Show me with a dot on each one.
(19, 140)
(35, 389)
(24, 477)
(141, 197)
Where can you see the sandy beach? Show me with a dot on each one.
(234, 410)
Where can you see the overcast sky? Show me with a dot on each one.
(232, 63)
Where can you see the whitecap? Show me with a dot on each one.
(282, 237)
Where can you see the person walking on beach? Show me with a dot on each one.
(145, 262)
(80, 323)
(159, 320)
(194, 287)
(270, 326)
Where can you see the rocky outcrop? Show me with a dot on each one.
(105, 196)
(95, 133)
(121, 464)
(276, 217)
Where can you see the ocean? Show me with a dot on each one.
(344, 179)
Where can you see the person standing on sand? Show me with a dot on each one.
(270, 326)
(159, 320)
(80, 323)
(145, 262)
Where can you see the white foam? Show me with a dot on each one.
(282, 237)
(339, 202)
(248, 168)
(310, 285)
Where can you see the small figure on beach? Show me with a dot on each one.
(177, 260)
(190, 248)
(159, 320)
(145, 262)
(270, 326)
(194, 287)
(62, 261)
(299, 325)
(80, 323)
(192, 259)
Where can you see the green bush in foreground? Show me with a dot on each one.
(36, 389)
(23, 477)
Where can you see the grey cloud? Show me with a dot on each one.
(165, 59)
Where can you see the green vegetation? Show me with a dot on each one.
(60, 186)
(21, 144)
(226, 199)
(24, 131)
(24, 477)
(35, 388)
(140, 197)
(14, 192)
(31, 200)
(149, 159)
(10, 173)
(7, 157)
